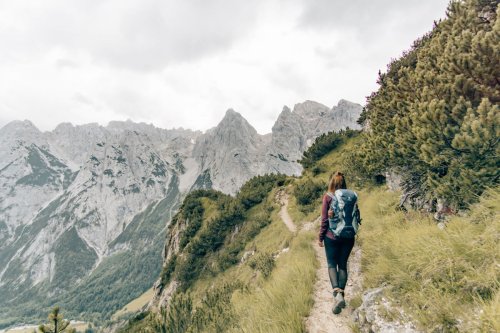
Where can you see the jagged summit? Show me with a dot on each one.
(344, 102)
(70, 127)
(285, 109)
(309, 109)
(20, 131)
(234, 122)
(64, 126)
(231, 113)
(19, 126)
(129, 125)
(305, 110)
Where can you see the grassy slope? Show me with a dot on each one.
(266, 304)
(135, 305)
(445, 278)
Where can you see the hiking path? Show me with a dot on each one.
(321, 319)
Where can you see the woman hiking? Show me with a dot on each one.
(340, 219)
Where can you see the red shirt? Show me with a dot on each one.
(324, 230)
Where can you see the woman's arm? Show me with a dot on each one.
(324, 217)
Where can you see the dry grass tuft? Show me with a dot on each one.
(445, 278)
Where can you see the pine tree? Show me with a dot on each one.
(435, 118)
(56, 323)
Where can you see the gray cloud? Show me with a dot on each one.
(138, 35)
(81, 98)
(366, 17)
(184, 62)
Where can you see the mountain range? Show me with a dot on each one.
(84, 209)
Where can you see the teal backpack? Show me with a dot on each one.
(346, 216)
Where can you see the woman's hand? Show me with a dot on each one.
(320, 243)
(330, 213)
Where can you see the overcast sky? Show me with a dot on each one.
(184, 63)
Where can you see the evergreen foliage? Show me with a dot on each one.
(202, 247)
(229, 255)
(263, 262)
(257, 188)
(324, 144)
(435, 118)
(308, 191)
(56, 324)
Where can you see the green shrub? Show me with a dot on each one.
(308, 191)
(257, 188)
(177, 317)
(229, 255)
(263, 262)
(207, 241)
(324, 144)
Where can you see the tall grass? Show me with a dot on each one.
(448, 280)
(281, 302)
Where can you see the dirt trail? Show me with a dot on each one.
(321, 318)
(282, 198)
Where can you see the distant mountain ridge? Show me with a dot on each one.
(74, 198)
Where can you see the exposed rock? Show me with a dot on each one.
(443, 210)
(247, 255)
(376, 314)
(393, 181)
(233, 151)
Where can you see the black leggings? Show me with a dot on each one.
(337, 253)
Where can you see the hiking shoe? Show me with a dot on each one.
(339, 303)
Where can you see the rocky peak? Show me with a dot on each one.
(233, 130)
(285, 114)
(235, 121)
(22, 130)
(346, 114)
(20, 124)
(345, 103)
(348, 106)
(64, 127)
(310, 109)
(129, 125)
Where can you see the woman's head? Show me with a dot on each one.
(337, 181)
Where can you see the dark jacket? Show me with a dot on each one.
(324, 231)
